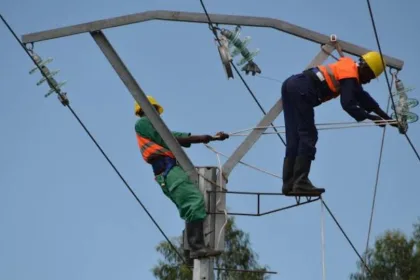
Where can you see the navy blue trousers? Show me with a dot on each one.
(299, 99)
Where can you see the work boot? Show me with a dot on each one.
(288, 166)
(188, 259)
(196, 241)
(302, 186)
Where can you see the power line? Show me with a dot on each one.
(237, 71)
(383, 135)
(96, 143)
(345, 235)
(386, 75)
(377, 175)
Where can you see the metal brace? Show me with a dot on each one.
(225, 56)
(334, 42)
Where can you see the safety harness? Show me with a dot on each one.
(161, 159)
(324, 93)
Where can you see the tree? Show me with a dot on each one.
(238, 255)
(394, 257)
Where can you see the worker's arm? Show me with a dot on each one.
(370, 105)
(186, 139)
(350, 91)
(145, 128)
(354, 103)
(182, 138)
(366, 101)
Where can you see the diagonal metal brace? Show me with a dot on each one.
(139, 95)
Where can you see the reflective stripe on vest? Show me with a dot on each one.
(150, 150)
(333, 79)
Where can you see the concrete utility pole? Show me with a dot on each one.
(214, 235)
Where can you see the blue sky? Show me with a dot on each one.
(64, 214)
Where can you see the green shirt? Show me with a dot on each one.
(145, 129)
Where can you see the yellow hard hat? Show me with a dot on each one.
(373, 60)
(153, 101)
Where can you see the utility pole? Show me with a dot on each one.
(203, 269)
(213, 225)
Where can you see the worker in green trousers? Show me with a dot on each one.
(174, 181)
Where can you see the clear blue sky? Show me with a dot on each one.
(64, 214)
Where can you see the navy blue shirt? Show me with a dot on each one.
(356, 101)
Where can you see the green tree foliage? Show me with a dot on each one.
(238, 255)
(394, 257)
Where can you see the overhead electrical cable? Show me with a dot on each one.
(386, 74)
(389, 84)
(375, 188)
(98, 146)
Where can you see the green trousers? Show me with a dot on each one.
(178, 187)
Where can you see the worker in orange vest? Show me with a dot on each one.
(173, 180)
(304, 91)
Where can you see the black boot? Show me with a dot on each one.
(188, 259)
(288, 166)
(196, 241)
(302, 185)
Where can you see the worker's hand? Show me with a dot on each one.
(220, 136)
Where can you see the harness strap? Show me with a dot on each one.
(162, 165)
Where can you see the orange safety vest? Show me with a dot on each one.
(344, 68)
(150, 150)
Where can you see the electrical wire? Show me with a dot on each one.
(377, 176)
(345, 235)
(324, 275)
(393, 103)
(331, 124)
(212, 28)
(241, 162)
(332, 127)
(269, 78)
(220, 186)
(96, 144)
(386, 75)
